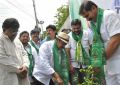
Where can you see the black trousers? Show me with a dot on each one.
(51, 82)
(36, 82)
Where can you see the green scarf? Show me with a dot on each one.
(36, 48)
(80, 53)
(31, 59)
(97, 50)
(61, 63)
(96, 28)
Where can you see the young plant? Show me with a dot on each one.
(89, 78)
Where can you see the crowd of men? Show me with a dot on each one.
(57, 59)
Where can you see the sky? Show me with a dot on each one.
(24, 12)
(46, 10)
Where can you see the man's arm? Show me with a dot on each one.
(57, 78)
(69, 58)
(68, 54)
(112, 46)
(113, 30)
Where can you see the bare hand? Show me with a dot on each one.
(59, 81)
(57, 78)
(22, 72)
(72, 70)
(96, 69)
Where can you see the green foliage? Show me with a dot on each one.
(61, 16)
(89, 78)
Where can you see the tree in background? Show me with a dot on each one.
(61, 16)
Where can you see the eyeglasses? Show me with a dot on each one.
(13, 31)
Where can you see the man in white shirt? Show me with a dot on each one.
(52, 62)
(32, 54)
(107, 24)
(84, 38)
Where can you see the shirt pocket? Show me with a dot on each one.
(85, 42)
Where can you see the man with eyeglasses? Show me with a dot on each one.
(13, 69)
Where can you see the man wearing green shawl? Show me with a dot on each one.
(78, 51)
(35, 40)
(53, 62)
(106, 27)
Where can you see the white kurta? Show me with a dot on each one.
(9, 62)
(43, 69)
(86, 42)
(23, 60)
(110, 27)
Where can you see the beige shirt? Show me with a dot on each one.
(21, 53)
(9, 62)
